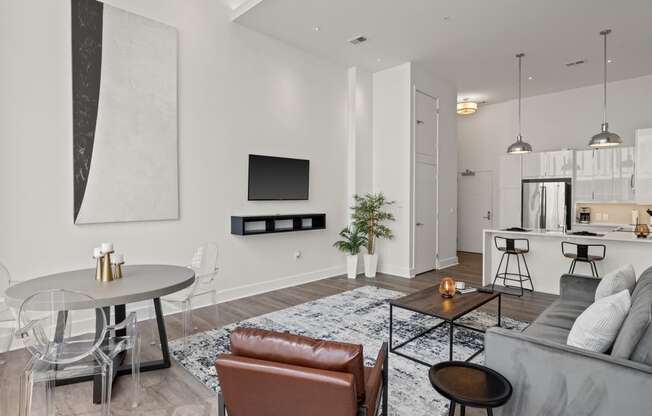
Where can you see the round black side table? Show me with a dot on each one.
(471, 385)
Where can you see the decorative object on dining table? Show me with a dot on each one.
(103, 271)
(447, 287)
(467, 290)
(460, 285)
(118, 261)
(641, 230)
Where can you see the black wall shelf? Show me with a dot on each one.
(269, 224)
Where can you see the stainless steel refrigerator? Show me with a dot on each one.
(546, 204)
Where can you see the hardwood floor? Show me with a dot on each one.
(174, 392)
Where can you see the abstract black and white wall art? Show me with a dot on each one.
(124, 72)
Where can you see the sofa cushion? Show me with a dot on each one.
(562, 314)
(634, 340)
(301, 351)
(616, 281)
(547, 332)
(597, 327)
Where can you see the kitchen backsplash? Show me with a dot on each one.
(616, 213)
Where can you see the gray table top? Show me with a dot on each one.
(140, 282)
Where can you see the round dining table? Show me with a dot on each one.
(139, 283)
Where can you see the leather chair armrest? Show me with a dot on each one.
(249, 385)
(376, 377)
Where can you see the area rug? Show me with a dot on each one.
(357, 316)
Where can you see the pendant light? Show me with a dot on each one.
(605, 138)
(519, 146)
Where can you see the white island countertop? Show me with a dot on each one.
(605, 236)
(547, 264)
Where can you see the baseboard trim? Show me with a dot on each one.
(394, 270)
(448, 262)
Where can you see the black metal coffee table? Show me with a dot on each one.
(471, 385)
(430, 302)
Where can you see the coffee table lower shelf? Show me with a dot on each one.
(451, 333)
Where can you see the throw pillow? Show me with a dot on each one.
(616, 281)
(597, 327)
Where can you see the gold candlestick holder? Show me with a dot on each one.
(98, 268)
(117, 270)
(106, 274)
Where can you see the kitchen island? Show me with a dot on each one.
(546, 262)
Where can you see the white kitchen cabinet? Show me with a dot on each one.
(643, 180)
(583, 188)
(557, 164)
(624, 169)
(603, 175)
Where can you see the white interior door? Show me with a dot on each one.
(425, 211)
(475, 209)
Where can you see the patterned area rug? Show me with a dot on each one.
(357, 316)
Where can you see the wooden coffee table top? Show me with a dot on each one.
(430, 302)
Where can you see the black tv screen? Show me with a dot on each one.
(278, 178)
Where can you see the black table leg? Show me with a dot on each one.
(452, 328)
(462, 410)
(490, 412)
(451, 409)
(162, 334)
(500, 301)
(391, 318)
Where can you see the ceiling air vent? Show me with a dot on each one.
(575, 63)
(357, 40)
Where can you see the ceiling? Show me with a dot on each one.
(469, 43)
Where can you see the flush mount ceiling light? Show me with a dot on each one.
(464, 108)
(519, 146)
(605, 138)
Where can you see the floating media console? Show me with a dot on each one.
(268, 224)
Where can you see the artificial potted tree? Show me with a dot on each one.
(353, 239)
(369, 217)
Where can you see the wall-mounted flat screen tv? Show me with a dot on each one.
(278, 178)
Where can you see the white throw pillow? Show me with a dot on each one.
(616, 281)
(597, 327)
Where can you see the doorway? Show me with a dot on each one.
(425, 180)
(475, 202)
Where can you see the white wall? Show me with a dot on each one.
(565, 119)
(239, 93)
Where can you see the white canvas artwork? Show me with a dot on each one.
(125, 116)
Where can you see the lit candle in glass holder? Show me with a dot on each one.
(447, 287)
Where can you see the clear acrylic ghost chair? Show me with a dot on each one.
(7, 314)
(43, 320)
(204, 263)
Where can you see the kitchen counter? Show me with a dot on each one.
(546, 262)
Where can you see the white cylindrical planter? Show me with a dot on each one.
(370, 265)
(352, 266)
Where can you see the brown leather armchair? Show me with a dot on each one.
(280, 374)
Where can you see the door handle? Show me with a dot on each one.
(419, 224)
(488, 217)
(631, 181)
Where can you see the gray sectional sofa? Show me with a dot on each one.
(551, 378)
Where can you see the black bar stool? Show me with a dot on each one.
(585, 253)
(513, 247)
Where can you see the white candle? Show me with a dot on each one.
(107, 247)
(97, 252)
(118, 258)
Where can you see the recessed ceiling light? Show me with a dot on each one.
(610, 61)
(378, 59)
(317, 28)
(530, 78)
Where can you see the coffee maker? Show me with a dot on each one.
(584, 215)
